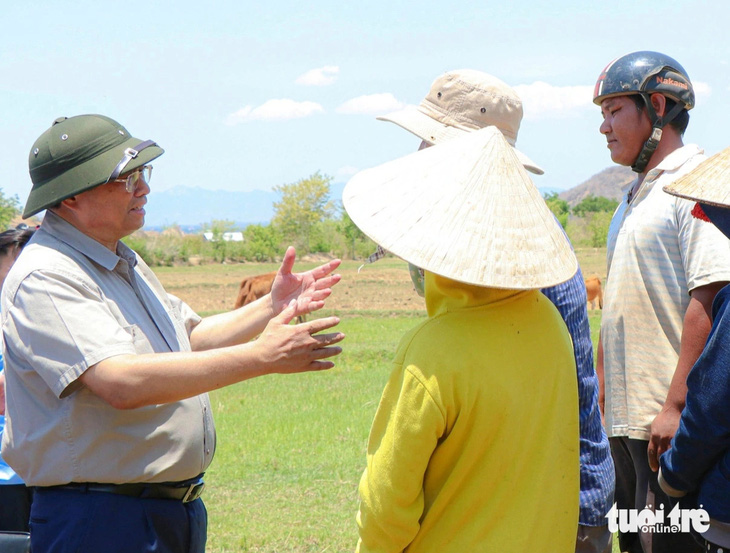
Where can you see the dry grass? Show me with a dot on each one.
(382, 287)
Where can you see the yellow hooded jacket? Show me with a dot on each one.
(474, 446)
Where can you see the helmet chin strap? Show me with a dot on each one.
(658, 124)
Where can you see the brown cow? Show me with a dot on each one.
(254, 287)
(593, 289)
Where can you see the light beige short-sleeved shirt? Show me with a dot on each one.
(67, 304)
(657, 254)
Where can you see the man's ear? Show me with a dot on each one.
(659, 103)
(68, 203)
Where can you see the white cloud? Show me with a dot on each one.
(277, 110)
(372, 104)
(541, 100)
(702, 91)
(322, 76)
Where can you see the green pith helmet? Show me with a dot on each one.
(79, 153)
(646, 73)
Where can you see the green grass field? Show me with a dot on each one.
(291, 449)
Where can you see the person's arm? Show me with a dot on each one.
(405, 432)
(131, 381)
(2, 392)
(666, 488)
(309, 289)
(696, 326)
(703, 436)
(601, 380)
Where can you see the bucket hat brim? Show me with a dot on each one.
(427, 128)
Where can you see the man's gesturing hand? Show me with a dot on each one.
(309, 288)
(298, 348)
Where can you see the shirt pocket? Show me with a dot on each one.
(139, 340)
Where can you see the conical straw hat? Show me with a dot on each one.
(708, 183)
(464, 209)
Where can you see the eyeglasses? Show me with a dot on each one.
(131, 181)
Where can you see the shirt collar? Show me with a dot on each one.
(64, 231)
(671, 162)
(678, 158)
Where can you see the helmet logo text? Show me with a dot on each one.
(671, 82)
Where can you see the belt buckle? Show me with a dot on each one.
(194, 492)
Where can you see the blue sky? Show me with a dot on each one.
(247, 95)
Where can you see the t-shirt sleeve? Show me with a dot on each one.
(68, 324)
(705, 250)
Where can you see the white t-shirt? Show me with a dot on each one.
(657, 253)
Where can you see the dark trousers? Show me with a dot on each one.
(637, 487)
(15, 500)
(66, 521)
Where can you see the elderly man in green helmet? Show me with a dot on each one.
(107, 374)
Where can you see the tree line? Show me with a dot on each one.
(309, 219)
(305, 217)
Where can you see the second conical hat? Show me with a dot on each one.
(708, 183)
(464, 209)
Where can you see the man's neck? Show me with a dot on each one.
(671, 141)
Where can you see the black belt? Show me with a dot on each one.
(186, 491)
(714, 548)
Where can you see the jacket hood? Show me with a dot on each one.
(444, 295)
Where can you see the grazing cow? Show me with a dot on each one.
(593, 289)
(254, 287)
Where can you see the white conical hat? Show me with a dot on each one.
(464, 209)
(708, 183)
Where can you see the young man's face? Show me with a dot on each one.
(625, 127)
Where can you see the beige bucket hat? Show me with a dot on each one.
(708, 183)
(463, 101)
(464, 209)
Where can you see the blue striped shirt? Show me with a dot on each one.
(597, 479)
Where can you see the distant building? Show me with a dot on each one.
(236, 236)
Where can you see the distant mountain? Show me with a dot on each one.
(607, 183)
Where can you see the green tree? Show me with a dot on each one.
(355, 239)
(303, 205)
(262, 243)
(594, 204)
(219, 227)
(559, 207)
(9, 209)
(598, 224)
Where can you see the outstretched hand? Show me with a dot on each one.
(309, 289)
(298, 348)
